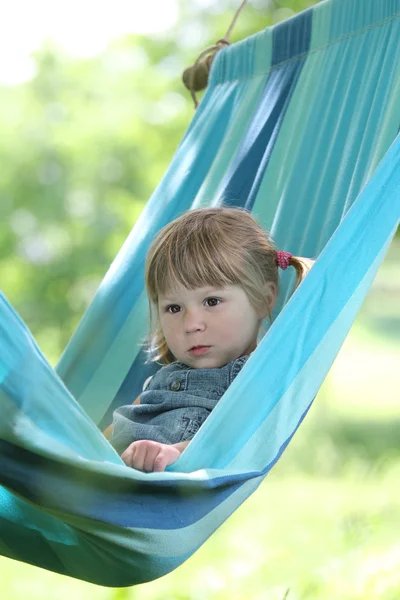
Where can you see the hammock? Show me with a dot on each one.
(298, 124)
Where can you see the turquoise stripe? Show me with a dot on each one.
(348, 16)
(248, 100)
(321, 14)
(110, 372)
(252, 55)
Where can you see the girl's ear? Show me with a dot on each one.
(270, 295)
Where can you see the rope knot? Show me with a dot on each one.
(195, 77)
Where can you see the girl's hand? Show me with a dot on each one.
(148, 456)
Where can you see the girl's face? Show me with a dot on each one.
(219, 320)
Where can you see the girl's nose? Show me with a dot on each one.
(193, 321)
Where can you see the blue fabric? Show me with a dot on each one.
(243, 179)
(299, 122)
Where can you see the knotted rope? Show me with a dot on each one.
(195, 77)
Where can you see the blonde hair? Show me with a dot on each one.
(211, 247)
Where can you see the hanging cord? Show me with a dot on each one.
(195, 77)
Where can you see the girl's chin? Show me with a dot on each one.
(207, 363)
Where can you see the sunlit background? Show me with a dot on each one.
(93, 108)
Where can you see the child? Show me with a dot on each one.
(211, 277)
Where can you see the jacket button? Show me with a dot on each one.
(176, 385)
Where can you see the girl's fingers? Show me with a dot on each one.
(139, 457)
(127, 456)
(160, 462)
(143, 455)
(166, 456)
(150, 453)
(148, 456)
(132, 456)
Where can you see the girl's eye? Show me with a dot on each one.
(172, 306)
(213, 301)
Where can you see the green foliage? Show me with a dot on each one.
(85, 143)
(77, 175)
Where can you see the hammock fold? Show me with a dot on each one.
(298, 125)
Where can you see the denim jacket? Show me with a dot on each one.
(175, 403)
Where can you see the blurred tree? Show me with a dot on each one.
(85, 143)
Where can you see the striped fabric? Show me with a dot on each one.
(299, 125)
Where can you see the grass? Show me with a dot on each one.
(324, 525)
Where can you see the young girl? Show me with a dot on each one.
(211, 278)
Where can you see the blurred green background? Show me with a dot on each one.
(93, 108)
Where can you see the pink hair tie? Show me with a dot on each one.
(283, 259)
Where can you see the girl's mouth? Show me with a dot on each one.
(199, 350)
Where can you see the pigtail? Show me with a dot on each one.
(302, 266)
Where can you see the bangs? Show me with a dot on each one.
(192, 260)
